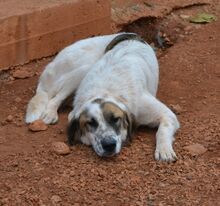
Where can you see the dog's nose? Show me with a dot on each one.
(108, 145)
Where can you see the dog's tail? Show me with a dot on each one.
(37, 106)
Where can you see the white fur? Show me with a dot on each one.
(129, 71)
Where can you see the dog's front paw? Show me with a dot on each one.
(32, 116)
(165, 152)
(50, 117)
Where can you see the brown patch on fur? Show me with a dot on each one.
(77, 127)
(111, 110)
(131, 126)
(83, 119)
(73, 131)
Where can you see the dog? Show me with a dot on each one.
(115, 80)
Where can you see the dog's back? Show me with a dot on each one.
(125, 71)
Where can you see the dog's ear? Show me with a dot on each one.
(73, 131)
(129, 121)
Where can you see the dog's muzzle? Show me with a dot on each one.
(109, 146)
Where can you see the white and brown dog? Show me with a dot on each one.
(115, 78)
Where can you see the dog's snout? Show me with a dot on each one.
(109, 145)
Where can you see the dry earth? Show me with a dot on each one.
(31, 173)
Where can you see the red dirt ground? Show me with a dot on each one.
(32, 174)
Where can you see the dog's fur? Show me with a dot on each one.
(115, 78)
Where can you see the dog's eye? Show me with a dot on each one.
(93, 123)
(115, 120)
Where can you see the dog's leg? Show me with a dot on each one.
(37, 105)
(46, 89)
(154, 113)
(65, 87)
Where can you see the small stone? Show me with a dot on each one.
(37, 126)
(61, 131)
(183, 16)
(9, 118)
(198, 26)
(20, 74)
(11, 78)
(189, 177)
(176, 108)
(55, 199)
(60, 148)
(188, 28)
(18, 99)
(195, 149)
(162, 184)
(3, 123)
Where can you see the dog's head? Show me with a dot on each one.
(104, 125)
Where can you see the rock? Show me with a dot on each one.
(189, 177)
(22, 74)
(195, 149)
(60, 148)
(183, 16)
(37, 126)
(188, 28)
(55, 199)
(9, 118)
(17, 99)
(11, 78)
(176, 108)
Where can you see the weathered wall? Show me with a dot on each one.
(35, 29)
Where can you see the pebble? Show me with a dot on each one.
(60, 148)
(11, 78)
(188, 28)
(189, 177)
(18, 99)
(20, 74)
(184, 16)
(37, 126)
(176, 108)
(55, 199)
(195, 149)
(9, 118)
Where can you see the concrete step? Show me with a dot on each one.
(39, 28)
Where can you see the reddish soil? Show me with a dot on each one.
(33, 174)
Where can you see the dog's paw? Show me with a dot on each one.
(50, 117)
(165, 152)
(32, 116)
